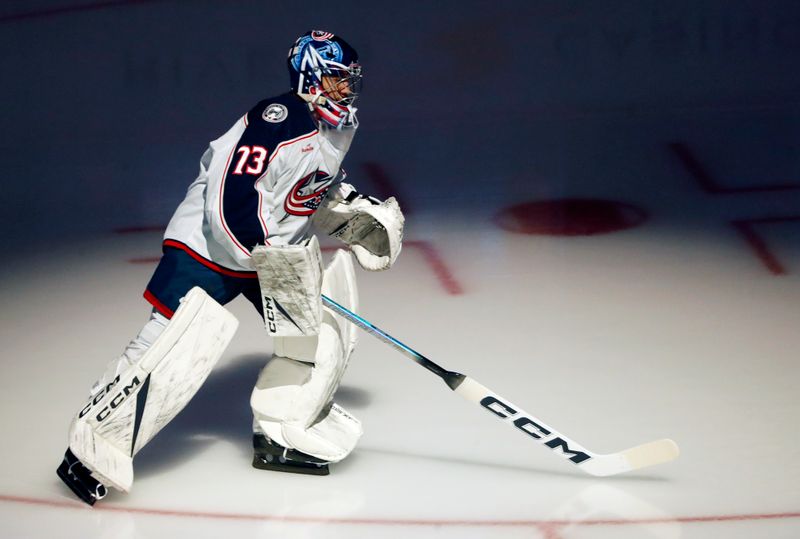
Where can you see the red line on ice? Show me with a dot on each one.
(541, 524)
(746, 227)
(706, 181)
(386, 186)
(437, 264)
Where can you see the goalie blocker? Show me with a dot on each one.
(124, 415)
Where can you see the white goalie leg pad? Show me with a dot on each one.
(290, 277)
(114, 426)
(292, 398)
(131, 355)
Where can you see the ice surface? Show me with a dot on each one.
(675, 328)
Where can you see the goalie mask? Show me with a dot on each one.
(317, 55)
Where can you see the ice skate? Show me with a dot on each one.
(269, 455)
(79, 479)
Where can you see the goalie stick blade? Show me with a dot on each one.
(595, 464)
(635, 458)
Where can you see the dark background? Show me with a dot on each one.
(468, 106)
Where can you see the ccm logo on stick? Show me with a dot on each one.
(532, 429)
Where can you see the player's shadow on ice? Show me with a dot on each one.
(219, 411)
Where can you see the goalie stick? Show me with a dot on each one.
(641, 456)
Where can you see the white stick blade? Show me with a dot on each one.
(635, 458)
(652, 453)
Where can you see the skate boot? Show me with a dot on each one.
(79, 479)
(269, 455)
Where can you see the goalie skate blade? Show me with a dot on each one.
(79, 480)
(302, 468)
(272, 456)
(635, 458)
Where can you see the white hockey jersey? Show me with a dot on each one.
(259, 183)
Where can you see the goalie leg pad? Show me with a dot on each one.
(339, 282)
(290, 277)
(292, 398)
(131, 355)
(285, 392)
(114, 426)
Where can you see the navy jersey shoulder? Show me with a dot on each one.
(280, 118)
(271, 122)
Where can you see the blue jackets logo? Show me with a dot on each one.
(306, 195)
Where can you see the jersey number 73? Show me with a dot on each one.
(253, 157)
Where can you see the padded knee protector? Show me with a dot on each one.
(292, 398)
(138, 403)
(290, 277)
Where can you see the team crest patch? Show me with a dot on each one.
(306, 195)
(275, 113)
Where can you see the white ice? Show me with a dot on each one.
(671, 329)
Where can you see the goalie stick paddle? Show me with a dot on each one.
(596, 464)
